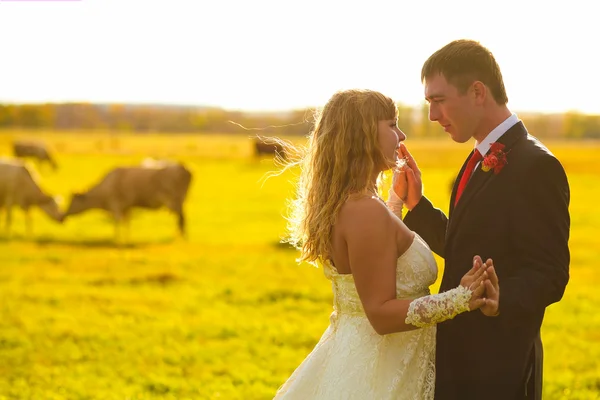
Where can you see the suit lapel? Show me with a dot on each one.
(479, 178)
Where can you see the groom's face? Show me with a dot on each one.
(454, 111)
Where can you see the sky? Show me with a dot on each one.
(278, 55)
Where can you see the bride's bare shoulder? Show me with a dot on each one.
(362, 209)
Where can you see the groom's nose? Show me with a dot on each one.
(434, 112)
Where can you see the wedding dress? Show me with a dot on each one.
(352, 361)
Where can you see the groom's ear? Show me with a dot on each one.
(479, 91)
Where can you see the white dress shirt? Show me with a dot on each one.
(495, 134)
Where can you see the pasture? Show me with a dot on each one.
(227, 313)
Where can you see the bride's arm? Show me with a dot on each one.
(371, 238)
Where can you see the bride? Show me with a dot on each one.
(380, 343)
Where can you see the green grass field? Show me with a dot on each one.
(227, 314)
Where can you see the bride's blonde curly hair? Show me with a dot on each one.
(341, 158)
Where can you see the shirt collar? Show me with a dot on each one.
(496, 133)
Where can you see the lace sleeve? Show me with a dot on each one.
(394, 203)
(436, 308)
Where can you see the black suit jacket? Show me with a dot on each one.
(519, 218)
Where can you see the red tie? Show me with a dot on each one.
(475, 158)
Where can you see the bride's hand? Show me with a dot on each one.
(399, 181)
(475, 280)
(474, 273)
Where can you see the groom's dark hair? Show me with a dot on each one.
(463, 62)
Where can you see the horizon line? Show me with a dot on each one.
(250, 110)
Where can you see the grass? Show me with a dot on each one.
(227, 314)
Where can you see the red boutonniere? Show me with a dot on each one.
(496, 158)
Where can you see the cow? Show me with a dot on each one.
(268, 146)
(19, 188)
(24, 149)
(151, 185)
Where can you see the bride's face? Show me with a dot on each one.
(390, 137)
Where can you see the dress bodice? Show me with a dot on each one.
(416, 270)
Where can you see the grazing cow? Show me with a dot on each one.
(268, 146)
(151, 185)
(33, 150)
(19, 188)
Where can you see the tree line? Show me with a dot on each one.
(192, 119)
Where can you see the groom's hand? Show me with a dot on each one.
(412, 186)
(492, 292)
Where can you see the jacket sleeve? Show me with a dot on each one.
(430, 223)
(541, 234)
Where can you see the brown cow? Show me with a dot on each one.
(35, 150)
(151, 185)
(19, 188)
(268, 146)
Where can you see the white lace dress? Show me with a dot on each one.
(352, 361)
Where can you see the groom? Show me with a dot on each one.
(509, 203)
